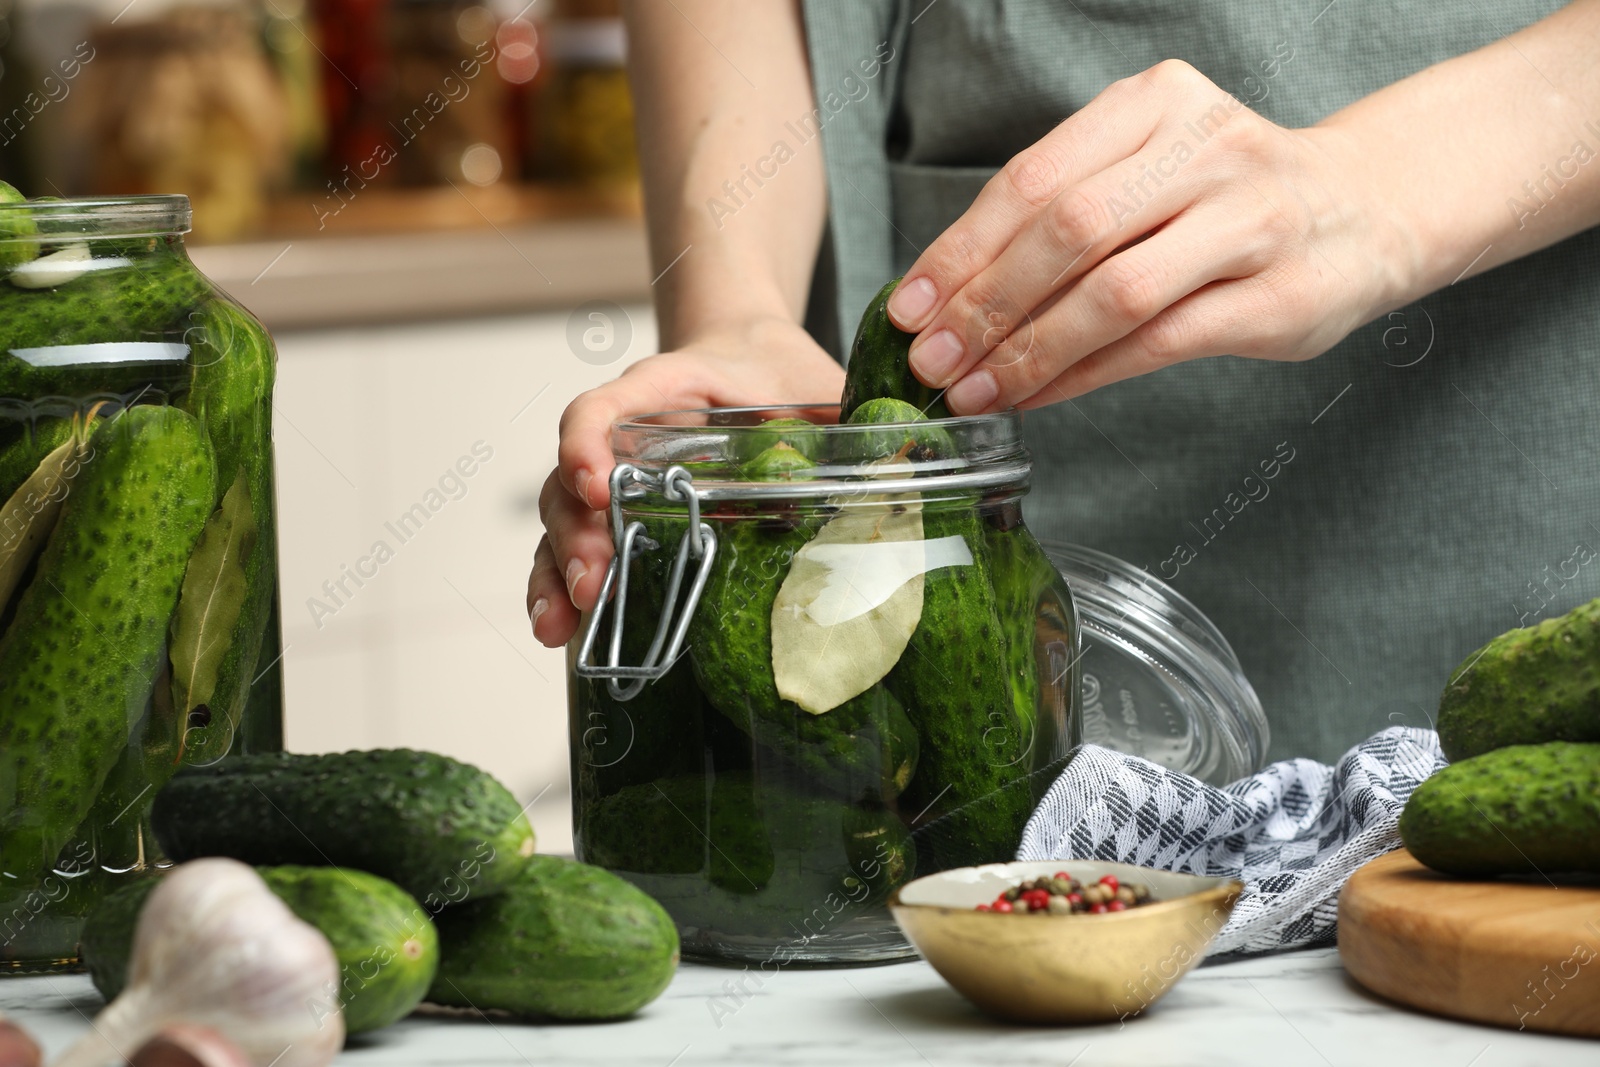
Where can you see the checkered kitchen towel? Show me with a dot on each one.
(1292, 833)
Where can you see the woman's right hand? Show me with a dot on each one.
(754, 362)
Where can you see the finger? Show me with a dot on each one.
(1113, 126)
(1064, 241)
(1113, 300)
(550, 610)
(584, 457)
(1203, 324)
(580, 539)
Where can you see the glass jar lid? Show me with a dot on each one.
(1159, 679)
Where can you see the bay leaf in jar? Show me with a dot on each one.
(850, 602)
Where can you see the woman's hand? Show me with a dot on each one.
(1163, 222)
(763, 361)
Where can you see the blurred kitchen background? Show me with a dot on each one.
(433, 205)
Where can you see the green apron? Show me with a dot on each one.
(1358, 524)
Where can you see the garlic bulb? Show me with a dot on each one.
(188, 1046)
(216, 948)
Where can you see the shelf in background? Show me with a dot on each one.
(435, 253)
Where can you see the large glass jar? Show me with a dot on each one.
(138, 559)
(864, 670)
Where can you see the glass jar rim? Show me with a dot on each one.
(650, 421)
(987, 452)
(103, 216)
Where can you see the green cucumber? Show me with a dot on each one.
(1023, 577)
(20, 458)
(146, 300)
(975, 725)
(1522, 809)
(16, 227)
(865, 746)
(750, 856)
(1540, 683)
(235, 366)
(565, 941)
(105, 945)
(910, 434)
(440, 829)
(80, 660)
(665, 729)
(879, 367)
(802, 435)
(388, 950)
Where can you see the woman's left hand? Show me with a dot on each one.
(1163, 222)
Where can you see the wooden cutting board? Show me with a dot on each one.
(1509, 953)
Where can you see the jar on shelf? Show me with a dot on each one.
(138, 558)
(831, 658)
(587, 105)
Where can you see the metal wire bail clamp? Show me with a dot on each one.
(676, 486)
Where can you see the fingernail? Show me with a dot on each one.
(973, 394)
(581, 482)
(911, 303)
(575, 572)
(936, 359)
(540, 606)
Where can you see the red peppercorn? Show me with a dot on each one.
(1098, 909)
(983, 907)
(1110, 882)
(1074, 898)
(1116, 905)
(1002, 905)
(1064, 876)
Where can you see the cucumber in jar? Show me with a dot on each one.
(741, 853)
(863, 747)
(668, 728)
(121, 299)
(82, 654)
(21, 454)
(234, 366)
(971, 782)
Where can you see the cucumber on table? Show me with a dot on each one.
(879, 364)
(1522, 809)
(387, 949)
(1541, 683)
(565, 940)
(442, 830)
(81, 656)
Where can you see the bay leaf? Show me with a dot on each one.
(27, 518)
(850, 602)
(214, 589)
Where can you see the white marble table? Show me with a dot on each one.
(1293, 1009)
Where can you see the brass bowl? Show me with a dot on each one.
(1042, 968)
